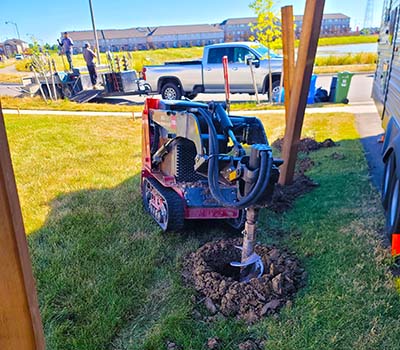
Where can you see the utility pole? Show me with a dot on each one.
(369, 14)
(96, 39)
(16, 28)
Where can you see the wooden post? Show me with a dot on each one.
(288, 53)
(301, 84)
(20, 323)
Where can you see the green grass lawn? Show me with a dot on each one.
(109, 279)
(64, 105)
(10, 78)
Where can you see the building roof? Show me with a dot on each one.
(243, 20)
(15, 42)
(247, 20)
(186, 29)
(110, 34)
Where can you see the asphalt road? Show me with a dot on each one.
(360, 91)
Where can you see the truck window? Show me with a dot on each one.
(240, 53)
(215, 55)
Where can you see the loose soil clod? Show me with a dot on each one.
(213, 343)
(209, 271)
(284, 196)
(304, 165)
(172, 346)
(307, 144)
(251, 345)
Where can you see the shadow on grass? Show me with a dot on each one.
(98, 261)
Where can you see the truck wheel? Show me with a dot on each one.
(393, 210)
(171, 91)
(388, 174)
(276, 89)
(191, 96)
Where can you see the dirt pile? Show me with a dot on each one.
(209, 271)
(304, 165)
(284, 196)
(307, 144)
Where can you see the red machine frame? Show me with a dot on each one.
(169, 181)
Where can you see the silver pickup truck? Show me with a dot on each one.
(188, 78)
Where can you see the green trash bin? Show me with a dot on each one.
(342, 87)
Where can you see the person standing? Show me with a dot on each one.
(66, 45)
(89, 56)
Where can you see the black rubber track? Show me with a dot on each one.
(176, 214)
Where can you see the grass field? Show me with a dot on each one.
(109, 279)
(64, 105)
(349, 59)
(7, 63)
(10, 78)
(347, 40)
(354, 68)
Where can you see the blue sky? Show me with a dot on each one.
(45, 19)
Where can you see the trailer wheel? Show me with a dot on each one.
(393, 210)
(171, 91)
(388, 174)
(164, 205)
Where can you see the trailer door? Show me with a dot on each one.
(385, 55)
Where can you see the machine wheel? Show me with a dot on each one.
(66, 92)
(164, 205)
(45, 90)
(170, 91)
(388, 174)
(237, 224)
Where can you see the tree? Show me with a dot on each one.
(267, 30)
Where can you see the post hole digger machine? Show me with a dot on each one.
(201, 163)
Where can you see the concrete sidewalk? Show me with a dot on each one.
(360, 108)
(370, 130)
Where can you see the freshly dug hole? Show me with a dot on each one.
(208, 270)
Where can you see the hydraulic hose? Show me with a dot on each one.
(213, 171)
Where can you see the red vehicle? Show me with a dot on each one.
(175, 155)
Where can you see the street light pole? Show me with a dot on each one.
(96, 39)
(16, 28)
